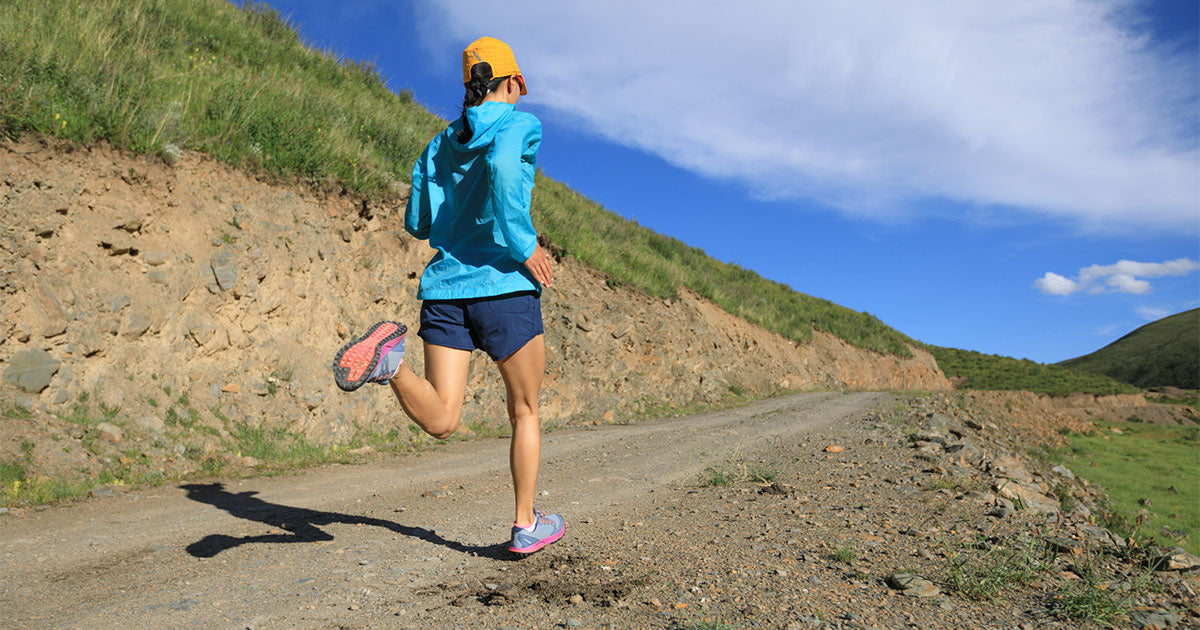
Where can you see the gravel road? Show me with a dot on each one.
(356, 546)
(803, 511)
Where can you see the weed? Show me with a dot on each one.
(981, 577)
(844, 554)
(730, 473)
(17, 412)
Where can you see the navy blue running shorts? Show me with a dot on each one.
(498, 325)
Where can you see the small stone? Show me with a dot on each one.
(491, 586)
(364, 562)
(912, 585)
(833, 448)
(573, 623)
(1064, 545)
(118, 302)
(224, 268)
(781, 572)
(544, 493)
(575, 599)
(342, 330)
(153, 424)
(344, 232)
(1063, 471)
(1173, 559)
(231, 388)
(110, 432)
(156, 257)
(1154, 619)
(136, 326)
(102, 491)
(31, 369)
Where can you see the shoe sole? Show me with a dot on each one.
(358, 358)
(541, 543)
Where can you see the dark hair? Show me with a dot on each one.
(482, 82)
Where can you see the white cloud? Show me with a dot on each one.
(1126, 276)
(1150, 313)
(1054, 284)
(1056, 106)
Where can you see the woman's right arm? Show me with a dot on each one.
(418, 215)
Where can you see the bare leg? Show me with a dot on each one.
(435, 402)
(522, 372)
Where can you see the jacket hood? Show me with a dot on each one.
(485, 120)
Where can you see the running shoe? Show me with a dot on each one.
(373, 357)
(547, 528)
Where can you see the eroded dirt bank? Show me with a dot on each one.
(184, 302)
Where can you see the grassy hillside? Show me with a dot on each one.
(990, 371)
(160, 76)
(1163, 352)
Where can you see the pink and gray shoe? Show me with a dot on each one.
(547, 528)
(371, 358)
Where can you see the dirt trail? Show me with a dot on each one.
(370, 544)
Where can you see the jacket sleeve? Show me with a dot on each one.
(418, 215)
(512, 164)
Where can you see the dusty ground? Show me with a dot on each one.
(416, 541)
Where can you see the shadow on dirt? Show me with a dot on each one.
(302, 525)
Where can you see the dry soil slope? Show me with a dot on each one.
(137, 283)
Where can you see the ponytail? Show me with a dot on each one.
(482, 82)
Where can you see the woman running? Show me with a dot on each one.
(470, 198)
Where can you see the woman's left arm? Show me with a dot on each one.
(512, 164)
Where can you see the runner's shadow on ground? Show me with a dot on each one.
(301, 525)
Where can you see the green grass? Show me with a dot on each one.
(983, 575)
(1142, 464)
(845, 555)
(159, 76)
(730, 473)
(278, 447)
(1160, 353)
(995, 372)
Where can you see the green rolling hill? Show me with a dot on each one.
(1162, 353)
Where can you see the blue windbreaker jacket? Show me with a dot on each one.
(472, 202)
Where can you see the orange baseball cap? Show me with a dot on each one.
(496, 53)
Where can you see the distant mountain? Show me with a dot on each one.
(1163, 352)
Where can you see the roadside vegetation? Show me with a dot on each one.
(995, 372)
(1147, 469)
(159, 77)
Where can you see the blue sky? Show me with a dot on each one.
(973, 174)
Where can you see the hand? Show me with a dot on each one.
(539, 265)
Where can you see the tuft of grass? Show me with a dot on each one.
(17, 413)
(235, 82)
(845, 555)
(982, 576)
(730, 473)
(282, 448)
